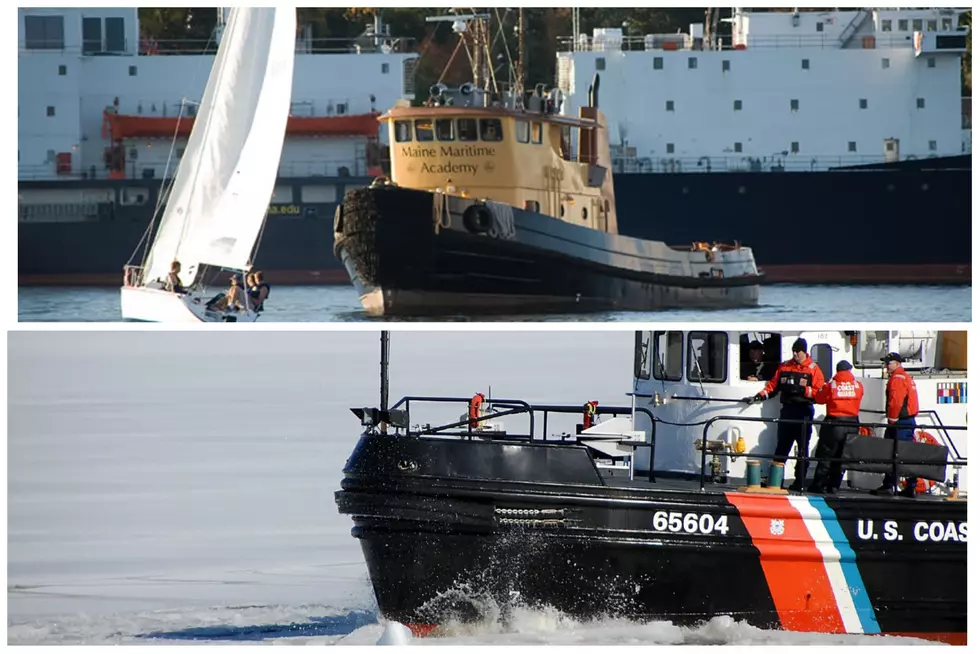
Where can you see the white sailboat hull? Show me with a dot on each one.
(155, 305)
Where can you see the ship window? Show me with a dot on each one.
(384, 69)
(930, 25)
(903, 25)
(341, 108)
(931, 62)
(917, 25)
(132, 71)
(737, 105)
(44, 32)
(823, 356)
(532, 205)
(707, 356)
(641, 355)
(423, 129)
(490, 129)
(466, 129)
(62, 69)
(889, 146)
(669, 105)
(863, 103)
(947, 24)
(668, 356)
(920, 103)
(794, 146)
(692, 62)
(444, 129)
(819, 27)
(726, 65)
(886, 25)
(670, 148)
(885, 63)
(794, 105)
(658, 63)
(50, 111)
(852, 146)
(764, 367)
(932, 146)
(536, 132)
(600, 63)
(403, 131)
(522, 131)
(738, 147)
(806, 64)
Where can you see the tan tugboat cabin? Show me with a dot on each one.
(521, 157)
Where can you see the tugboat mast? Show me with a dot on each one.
(384, 369)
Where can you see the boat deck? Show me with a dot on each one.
(620, 479)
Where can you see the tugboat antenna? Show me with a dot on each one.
(384, 369)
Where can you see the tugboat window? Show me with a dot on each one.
(523, 131)
(707, 356)
(641, 355)
(403, 131)
(444, 129)
(823, 356)
(423, 130)
(585, 213)
(490, 129)
(903, 25)
(755, 363)
(536, 132)
(668, 355)
(466, 129)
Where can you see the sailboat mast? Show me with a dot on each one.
(384, 369)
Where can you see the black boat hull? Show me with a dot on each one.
(403, 259)
(467, 530)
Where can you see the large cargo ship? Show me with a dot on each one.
(838, 131)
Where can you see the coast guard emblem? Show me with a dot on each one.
(776, 527)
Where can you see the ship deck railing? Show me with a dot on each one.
(400, 419)
(172, 47)
(685, 43)
(778, 162)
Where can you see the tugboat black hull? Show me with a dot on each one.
(466, 530)
(405, 257)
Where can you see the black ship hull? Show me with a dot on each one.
(844, 216)
(459, 530)
(411, 252)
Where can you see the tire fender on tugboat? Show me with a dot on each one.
(477, 218)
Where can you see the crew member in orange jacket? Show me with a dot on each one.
(842, 395)
(901, 407)
(797, 381)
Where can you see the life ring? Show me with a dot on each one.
(477, 219)
(476, 407)
(922, 436)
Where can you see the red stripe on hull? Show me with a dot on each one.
(950, 638)
(793, 566)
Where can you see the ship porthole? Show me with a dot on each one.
(925, 187)
(741, 190)
(477, 219)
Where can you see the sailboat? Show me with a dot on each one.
(217, 205)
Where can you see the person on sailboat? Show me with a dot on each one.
(173, 279)
(258, 290)
(233, 298)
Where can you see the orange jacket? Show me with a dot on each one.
(842, 395)
(797, 382)
(902, 397)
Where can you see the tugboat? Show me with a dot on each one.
(497, 203)
(467, 520)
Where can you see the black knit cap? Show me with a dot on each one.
(799, 345)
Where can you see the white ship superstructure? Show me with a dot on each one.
(790, 90)
(75, 63)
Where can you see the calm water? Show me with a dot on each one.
(783, 302)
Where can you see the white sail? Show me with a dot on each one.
(228, 172)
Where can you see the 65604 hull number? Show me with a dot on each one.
(677, 522)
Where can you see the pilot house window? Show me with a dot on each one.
(444, 129)
(668, 353)
(466, 129)
(490, 129)
(403, 131)
(423, 130)
(522, 131)
(707, 356)
(536, 132)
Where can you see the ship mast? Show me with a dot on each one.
(519, 91)
(477, 37)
